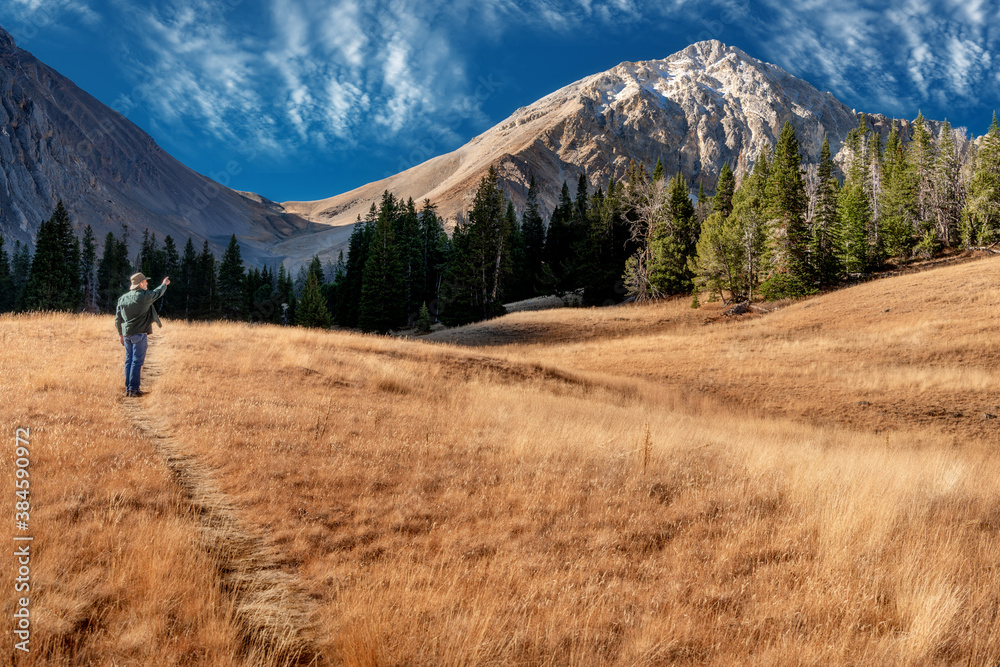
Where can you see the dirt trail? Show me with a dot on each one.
(274, 617)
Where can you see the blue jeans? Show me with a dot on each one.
(135, 354)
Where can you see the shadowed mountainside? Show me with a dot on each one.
(58, 142)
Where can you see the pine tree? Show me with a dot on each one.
(749, 220)
(184, 288)
(922, 159)
(323, 279)
(171, 258)
(256, 292)
(558, 243)
(581, 205)
(88, 270)
(576, 227)
(316, 269)
(533, 236)
(311, 310)
(410, 250)
(826, 237)
(424, 322)
(7, 295)
(433, 255)
(204, 289)
(20, 269)
(704, 206)
(285, 297)
(301, 278)
(854, 217)
(752, 195)
(168, 263)
(54, 280)
(875, 186)
(480, 259)
(518, 284)
(265, 302)
(112, 271)
(336, 286)
(981, 217)
(340, 266)
(855, 214)
(69, 244)
(674, 241)
(719, 262)
(787, 205)
(148, 263)
(658, 171)
(232, 279)
(949, 190)
(608, 247)
(897, 221)
(383, 298)
(723, 200)
(458, 288)
(349, 298)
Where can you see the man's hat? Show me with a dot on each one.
(136, 279)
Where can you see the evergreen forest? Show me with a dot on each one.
(786, 230)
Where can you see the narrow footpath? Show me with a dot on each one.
(274, 616)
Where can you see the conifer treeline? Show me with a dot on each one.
(400, 263)
(786, 231)
(776, 237)
(65, 275)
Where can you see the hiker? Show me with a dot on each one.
(134, 319)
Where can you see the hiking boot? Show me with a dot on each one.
(138, 393)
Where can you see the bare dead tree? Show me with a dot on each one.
(648, 202)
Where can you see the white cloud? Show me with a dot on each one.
(190, 72)
(898, 54)
(342, 32)
(298, 75)
(34, 15)
(332, 74)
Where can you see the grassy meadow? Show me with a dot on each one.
(638, 485)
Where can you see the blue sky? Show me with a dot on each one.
(315, 97)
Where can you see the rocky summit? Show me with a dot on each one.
(58, 142)
(695, 110)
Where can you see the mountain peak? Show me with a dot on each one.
(709, 49)
(695, 110)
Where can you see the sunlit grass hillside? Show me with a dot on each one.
(636, 485)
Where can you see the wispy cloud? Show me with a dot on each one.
(25, 19)
(310, 74)
(52, 9)
(292, 76)
(898, 55)
(189, 71)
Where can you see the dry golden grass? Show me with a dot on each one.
(114, 577)
(914, 353)
(444, 504)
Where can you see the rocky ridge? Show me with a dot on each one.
(703, 106)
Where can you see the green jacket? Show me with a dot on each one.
(135, 313)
